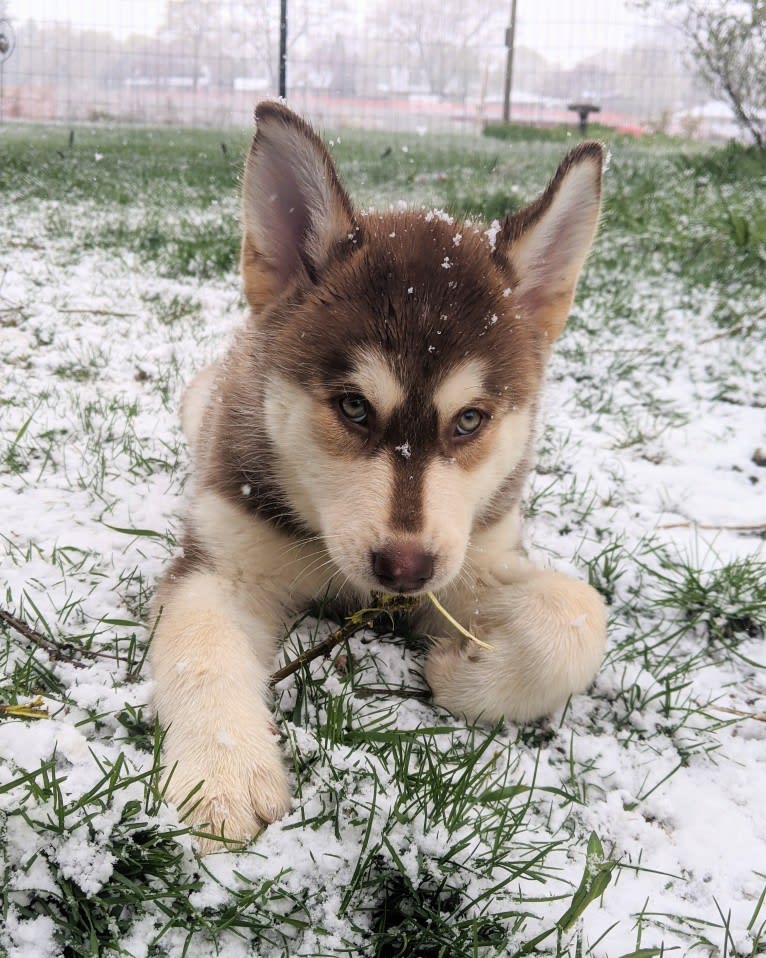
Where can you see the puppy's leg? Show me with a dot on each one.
(210, 663)
(194, 402)
(548, 632)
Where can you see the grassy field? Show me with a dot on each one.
(631, 824)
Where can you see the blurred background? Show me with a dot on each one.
(434, 65)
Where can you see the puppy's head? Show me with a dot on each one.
(400, 355)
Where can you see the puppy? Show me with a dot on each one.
(370, 429)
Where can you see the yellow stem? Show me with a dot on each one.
(453, 621)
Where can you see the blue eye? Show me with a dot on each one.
(468, 422)
(355, 408)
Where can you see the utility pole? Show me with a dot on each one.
(510, 40)
(283, 49)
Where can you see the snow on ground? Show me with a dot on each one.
(643, 470)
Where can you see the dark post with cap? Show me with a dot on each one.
(583, 110)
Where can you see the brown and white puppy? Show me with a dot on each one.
(370, 428)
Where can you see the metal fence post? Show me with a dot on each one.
(7, 45)
(510, 40)
(283, 49)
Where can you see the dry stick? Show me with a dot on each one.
(760, 527)
(96, 312)
(739, 714)
(727, 332)
(368, 691)
(363, 619)
(733, 330)
(24, 244)
(54, 649)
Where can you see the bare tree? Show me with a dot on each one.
(727, 39)
(445, 40)
(254, 28)
(197, 26)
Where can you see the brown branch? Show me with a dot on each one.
(759, 527)
(356, 622)
(53, 648)
(733, 330)
(727, 332)
(24, 244)
(738, 713)
(370, 691)
(96, 312)
(363, 619)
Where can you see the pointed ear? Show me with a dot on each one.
(546, 244)
(295, 211)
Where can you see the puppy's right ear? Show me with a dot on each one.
(295, 211)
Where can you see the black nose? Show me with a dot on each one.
(403, 568)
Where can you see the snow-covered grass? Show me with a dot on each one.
(632, 824)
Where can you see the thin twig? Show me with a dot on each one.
(363, 619)
(739, 714)
(96, 312)
(364, 692)
(24, 244)
(53, 648)
(732, 331)
(759, 527)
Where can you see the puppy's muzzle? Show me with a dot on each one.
(403, 568)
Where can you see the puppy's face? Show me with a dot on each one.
(400, 355)
(399, 399)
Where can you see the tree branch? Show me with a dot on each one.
(356, 622)
(54, 649)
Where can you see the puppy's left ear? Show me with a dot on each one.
(295, 212)
(546, 244)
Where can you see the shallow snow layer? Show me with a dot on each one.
(636, 457)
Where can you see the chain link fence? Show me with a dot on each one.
(392, 64)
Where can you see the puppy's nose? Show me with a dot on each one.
(403, 568)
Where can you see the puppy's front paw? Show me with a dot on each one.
(548, 634)
(243, 789)
(450, 671)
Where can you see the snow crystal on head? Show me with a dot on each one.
(492, 232)
(441, 215)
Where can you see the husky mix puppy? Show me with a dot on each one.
(370, 429)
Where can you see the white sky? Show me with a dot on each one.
(562, 30)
